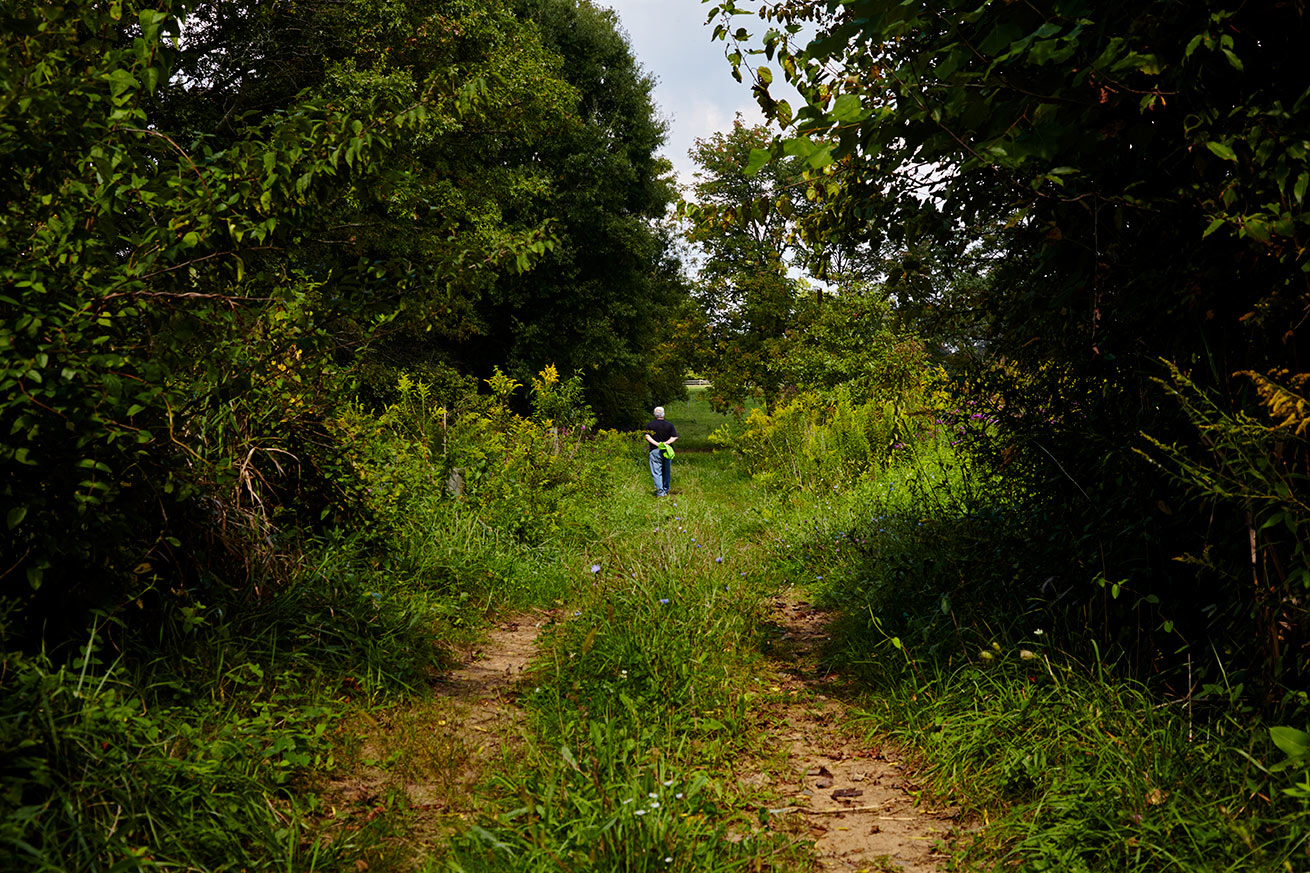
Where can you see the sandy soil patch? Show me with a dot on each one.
(856, 800)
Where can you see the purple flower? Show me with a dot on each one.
(664, 600)
(595, 568)
(718, 560)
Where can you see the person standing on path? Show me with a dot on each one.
(660, 434)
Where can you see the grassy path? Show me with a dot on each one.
(674, 716)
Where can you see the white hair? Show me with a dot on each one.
(659, 411)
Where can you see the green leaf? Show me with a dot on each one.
(121, 81)
(847, 108)
(569, 759)
(1214, 225)
(1222, 151)
(800, 147)
(1298, 190)
(821, 158)
(16, 516)
(1294, 743)
(759, 157)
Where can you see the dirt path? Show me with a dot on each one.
(855, 800)
(487, 675)
(435, 751)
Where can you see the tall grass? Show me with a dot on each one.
(1065, 762)
(204, 748)
(642, 699)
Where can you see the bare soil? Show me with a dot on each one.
(857, 800)
(434, 751)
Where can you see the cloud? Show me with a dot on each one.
(694, 88)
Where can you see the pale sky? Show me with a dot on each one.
(694, 89)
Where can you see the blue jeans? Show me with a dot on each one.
(660, 471)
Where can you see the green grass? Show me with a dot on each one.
(1063, 762)
(695, 420)
(642, 698)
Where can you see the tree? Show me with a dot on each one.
(745, 291)
(193, 236)
(601, 300)
(1142, 167)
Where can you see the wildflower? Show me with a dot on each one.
(664, 600)
(718, 560)
(652, 795)
(640, 811)
(1026, 655)
(654, 804)
(668, 782)
(678, 795)
(577, 613)
(595, 568)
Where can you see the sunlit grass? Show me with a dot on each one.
(642, 698)
(695, 419)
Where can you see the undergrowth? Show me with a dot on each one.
(958, 621)
(203, 742)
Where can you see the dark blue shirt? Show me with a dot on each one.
(661, 429)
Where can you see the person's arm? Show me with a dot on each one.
(672, 439)
(650, 439)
